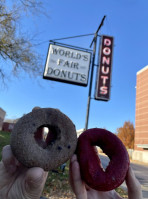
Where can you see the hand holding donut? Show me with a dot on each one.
(26, 180)
(23, 165)
(82, 191)
(17, 181)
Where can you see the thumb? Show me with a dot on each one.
(35, 181)
(133, 185)
(76, 182)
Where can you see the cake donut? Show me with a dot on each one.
(92, 171)
(28, 144)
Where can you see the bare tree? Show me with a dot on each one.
(126, 134)
(17, 51)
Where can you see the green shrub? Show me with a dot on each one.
(4, 140)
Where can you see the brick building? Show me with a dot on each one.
(2, 116)
(8, 125)
(141, 119)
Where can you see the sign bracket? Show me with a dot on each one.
(71, 46)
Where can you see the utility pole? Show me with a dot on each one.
(94, 41)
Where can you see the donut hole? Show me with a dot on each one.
(46, 135)
(104, 159)
(104, 162)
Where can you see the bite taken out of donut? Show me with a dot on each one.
(92, 171)
(32, 149)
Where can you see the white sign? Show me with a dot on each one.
(67, 65)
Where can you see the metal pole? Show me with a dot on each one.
(94, 41)
(91, 80)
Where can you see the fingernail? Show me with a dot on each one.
(76, 165)
(73, 158)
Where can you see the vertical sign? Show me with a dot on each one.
(103, 81)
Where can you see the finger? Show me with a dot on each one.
(73, 158)
(74, 166)
(103, 194)
(76, 181)
(9, 161)
(34, 181)
(133, 185)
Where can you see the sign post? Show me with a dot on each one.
(92, 70)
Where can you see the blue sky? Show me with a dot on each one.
(126, 21)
